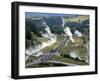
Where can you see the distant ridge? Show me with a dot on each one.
(33, 14)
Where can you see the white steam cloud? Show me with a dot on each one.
(69, 33)
(77, 33)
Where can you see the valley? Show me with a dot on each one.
(57, 41)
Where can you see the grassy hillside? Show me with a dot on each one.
(77, 19)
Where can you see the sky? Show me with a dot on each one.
(30, 14)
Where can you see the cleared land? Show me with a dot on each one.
(77, 19)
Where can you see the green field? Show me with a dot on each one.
(72, 46)
(68, 60)
(42, 39)
(56, 44)
(65, 51)
(77, 19)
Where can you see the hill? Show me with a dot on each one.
(34, 26)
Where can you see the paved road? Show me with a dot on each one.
(66, 40)
(48, 56)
